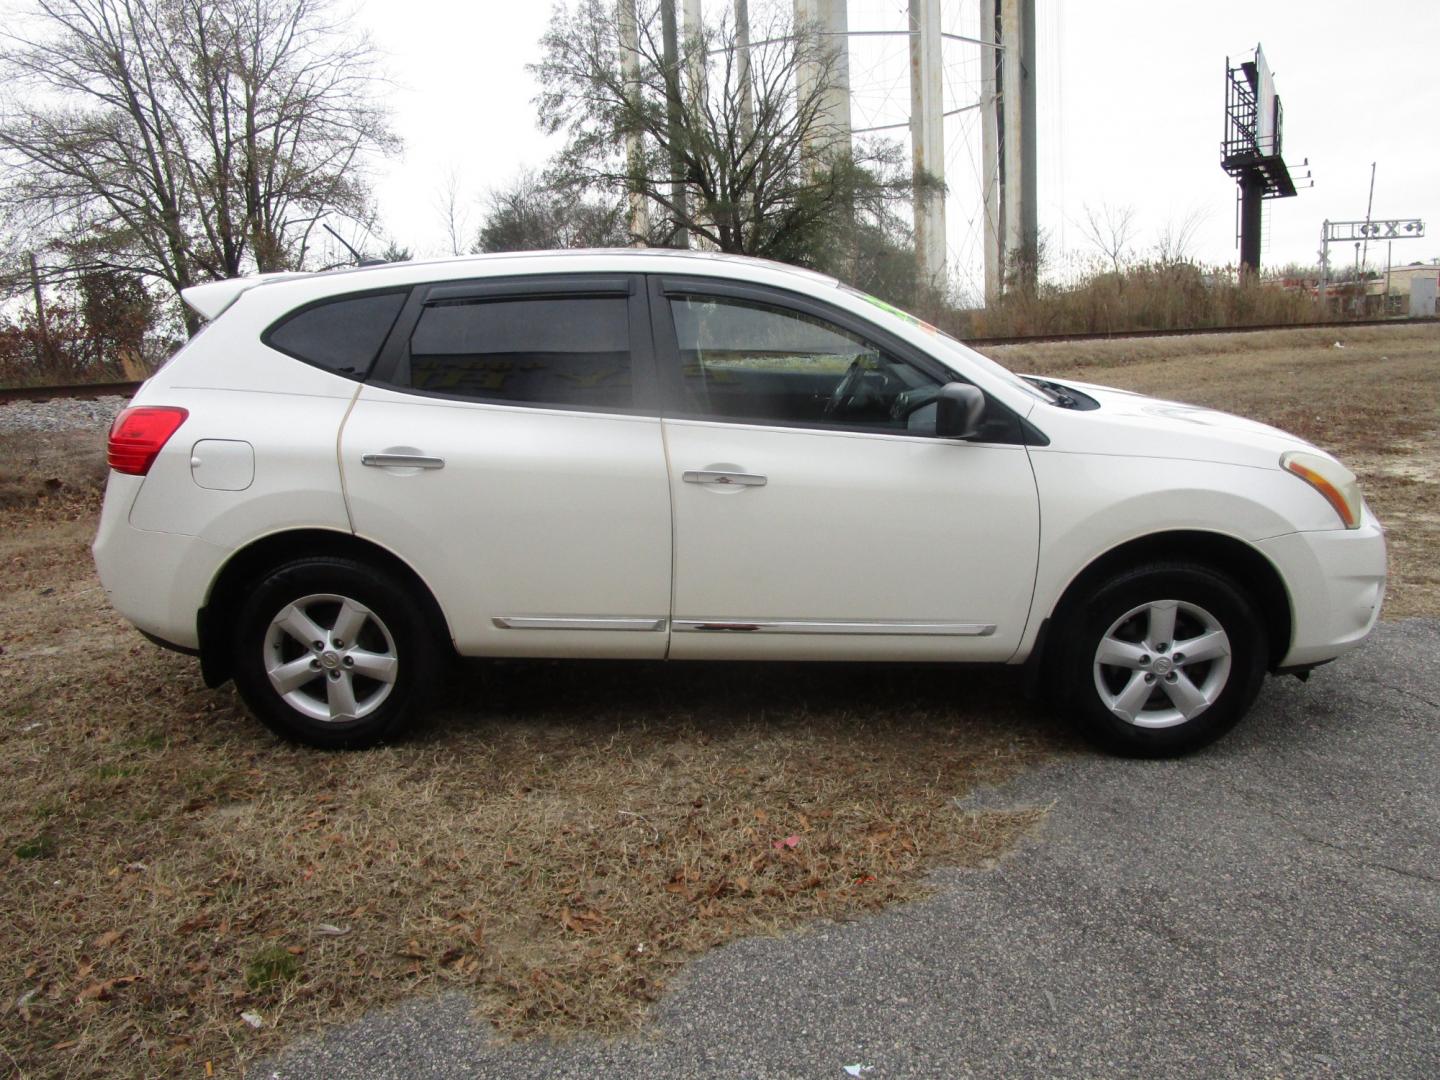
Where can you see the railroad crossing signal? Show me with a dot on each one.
(1337, 232)
(1393, 229)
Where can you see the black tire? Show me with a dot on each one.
(1168, 720)
(390, 670)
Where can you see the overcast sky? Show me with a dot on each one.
(1130, 96)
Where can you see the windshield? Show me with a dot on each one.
(950, 349)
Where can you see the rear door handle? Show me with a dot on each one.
(402, 461)
(711, 476)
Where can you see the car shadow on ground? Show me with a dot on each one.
(986, 702)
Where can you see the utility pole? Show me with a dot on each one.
(675, 122)
(1324, 264)
(1369, 208)
(1388, 245)
(927, 141)
(1355, 287)
(44, 353)
(634, 147)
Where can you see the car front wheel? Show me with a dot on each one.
(1162, 659)
(334, 653)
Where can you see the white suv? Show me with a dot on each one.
(350, 477)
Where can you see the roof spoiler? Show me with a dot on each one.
(212, 298)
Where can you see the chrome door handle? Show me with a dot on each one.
(710, 476)
(402, 461)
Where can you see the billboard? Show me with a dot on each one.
(1267, 113)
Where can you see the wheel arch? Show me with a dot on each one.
(215, 620)
(1249, 568)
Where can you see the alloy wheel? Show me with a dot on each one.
(330, 658)
(1162, 663)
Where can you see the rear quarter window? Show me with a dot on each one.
(342, 334)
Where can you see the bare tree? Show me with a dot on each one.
(1176, 239)
(187, 140)
(1111, 229)
(532, 215)
(454, 211)
(738, 131)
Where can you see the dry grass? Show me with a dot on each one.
(559, 839)
(59, 466)
(1375, 402)
(1155, 295)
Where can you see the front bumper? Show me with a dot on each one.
(1336, 582)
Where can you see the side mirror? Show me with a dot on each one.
(958, 409)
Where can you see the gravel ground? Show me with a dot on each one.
(60, 414)
(1266, 908)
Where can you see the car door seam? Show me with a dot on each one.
(340, 457)
(674, 539)
(1030, 612)
(657, 346)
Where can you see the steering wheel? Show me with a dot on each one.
(847, 389)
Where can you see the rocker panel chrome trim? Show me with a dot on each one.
(576, 622)
(818, 626)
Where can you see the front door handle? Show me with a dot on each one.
(713, 476)
(402, 461)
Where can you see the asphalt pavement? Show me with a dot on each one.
(1269, 907)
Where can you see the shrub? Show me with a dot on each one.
(272, 964)
(1158, 295)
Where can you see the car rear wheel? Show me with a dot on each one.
(1162, 659)
(334, 653)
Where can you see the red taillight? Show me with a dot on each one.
(138, 435)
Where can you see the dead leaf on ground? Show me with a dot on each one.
(101, 991)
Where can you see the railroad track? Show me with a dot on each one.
(85, 390)
(1196, 332)
(127, 389)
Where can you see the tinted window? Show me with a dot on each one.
(343, 336)
(565, 351)
(751, 361)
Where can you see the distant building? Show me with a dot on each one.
(1410, 290)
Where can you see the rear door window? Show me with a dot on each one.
(556, 351)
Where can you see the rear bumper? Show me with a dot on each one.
(1336, 581)
(156, 580)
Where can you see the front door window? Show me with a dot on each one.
(748, 361)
